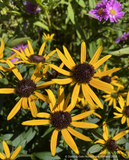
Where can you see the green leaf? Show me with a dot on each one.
(92, 3)
(121, 140)
(7, 136)
(4, 81)
(17, 41)
(95, 148)
(119, 52)
(40, 24)
(81, 3)
(92, 49)
(71, 13)
(46, 156)
(47, 131)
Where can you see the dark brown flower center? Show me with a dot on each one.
(36, 58)
(106, 79)
(7, 159)
(25, 87)
(111, 145)
(83, 72)
(61, 119)
(86, 107)
(126, 111)
(100, 11)
(53, 73)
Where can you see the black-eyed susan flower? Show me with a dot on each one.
(83, 75)
(7, 152)
(113, 97)
(63, 121)
(108, 78)
(48, 37)
(123, 110)
(85, 106)
(110, 143)
(26, 89)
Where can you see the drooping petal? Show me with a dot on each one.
(7, 90)
(120, 135)
(36, 72)
(121, 102)
(42, 49)
(60, 98)
(43, 115)
(33, 107)
(24, 103)
(123, 119)
(84, 125)
(49, 55)
(83, 52)
(30, 48)
(96, 56)
(2, 156)
(15, 109)
(36, 122)
(82, 115)
(121, 153)
(96, 114)
(6, 149)
(54, 141)
(69, 140)
(14, 70)
(103, 153)
(68, 56)
(62, 81)
(42, 97)
(46, 84)
(78, 134)
(105, 131)
(15, 153)
(52, 98)
(101, 141)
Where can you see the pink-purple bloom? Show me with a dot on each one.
(108, 9)
(125, 36)
(31, 8)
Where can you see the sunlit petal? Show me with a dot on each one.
(83, 52)
(33, 107)
(103, 153)
(36, 122)
(101, 141)
(42, 97)
(15, 153)
(42, 49)
(30, 48)
(123, 120)
(61, 98)
(2, 156)
(121, 153)
(62, 81)
(46, 84)
(66, 102)
(120, 135)
(6, 149)
(7, 90)
(105, 131)
(43, 115)
(84, 125)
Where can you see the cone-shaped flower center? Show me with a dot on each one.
(86, 107)
(113, 12)
(83, 72)
(100, 11)
(25, 87)
(111, 145)
(126, 111)
(106, 79)
(61, 119)
(36, 58)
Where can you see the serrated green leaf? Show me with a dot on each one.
(40, 24)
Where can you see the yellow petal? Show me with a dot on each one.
(49, 55)
(42, 49)
(123, 120)
(1, 48)
(105, 131)
(120, 135)
(52, 98)
(117, 114)
(96, 56)
(101, 61)
(36, 122)
(78, 135)
(127, 101)
(6, 149)
(30, 48)
(82, 115)
(103, 153)
(27, 52)
(7, 90)
(15, 109)
(66, 102)
(24, 103)
(96, 83)
(69, 140)
(42, 97)
(84, 125)
(83, 52)
(121, 153)
(101, 141)
(54, 142)
(68, 56)
(62, 81)
(43, 115)
(33, 107)
(96, 114)
(64, 60)
(61, 98)
(15, 153)
(36, 71)
(2, 156)
(121, 102)
(14, 70)
(92, 156)
(128, 122)
(105, 67)
(44, 85)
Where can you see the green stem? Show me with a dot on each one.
(49, 22)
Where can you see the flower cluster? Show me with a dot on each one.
(125, 37)
(108, 9)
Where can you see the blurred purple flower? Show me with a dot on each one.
(31, 8)
(113, 8)
(18, 48)
(125, 36)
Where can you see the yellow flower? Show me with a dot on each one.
(26, 89)
(62, 120)
(112, 80)
(83, 75)
(113, 97)
(48, 37)
(123, 110)
(7, 152)
(110, 144)
(1, 49)
(92, 156)
(86, 107)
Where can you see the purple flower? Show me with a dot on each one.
(113, 9)
(125, 36)
(18, 48)
(31, 8)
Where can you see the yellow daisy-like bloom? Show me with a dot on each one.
(26, 89)
(48, 37)
(123, 110)
(83, 75)
(86, 107)
(62, 120)
(112, 80)
(7, 152)
(110, 144)
(113, 97)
